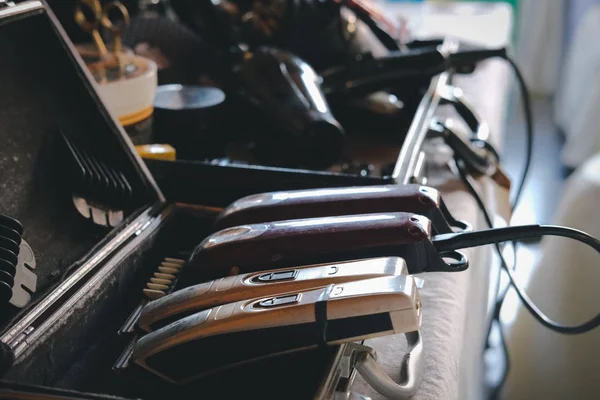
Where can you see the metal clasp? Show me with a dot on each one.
(364, 360)
(6, 4)
(477, 154)
(454, 96)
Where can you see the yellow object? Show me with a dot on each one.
(135, 117)
(156, 151)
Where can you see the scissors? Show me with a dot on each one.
(101, 17)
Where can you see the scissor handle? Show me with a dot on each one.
(115, 28)
(91, 26)
(106, 20)
(81, 18)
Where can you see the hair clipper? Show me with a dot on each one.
(231, 289)
(279, 244)
(328, 202)
(247, 330)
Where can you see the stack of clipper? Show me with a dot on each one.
(100, 192)
(10, 240)
(274, 312)
(295, 270)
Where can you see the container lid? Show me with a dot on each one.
(187, 97)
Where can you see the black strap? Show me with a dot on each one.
(7, 358)
(321, 316)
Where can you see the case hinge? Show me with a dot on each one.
(143, 227)
(20, 342)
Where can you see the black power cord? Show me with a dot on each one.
(468, 180)
(447, 242)
(499, 297)
(525, 98)
(463, 58)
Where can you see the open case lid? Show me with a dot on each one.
(46, 88)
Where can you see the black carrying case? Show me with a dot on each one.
(91, 278)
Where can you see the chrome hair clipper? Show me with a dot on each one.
(248, 330)
(230, 289)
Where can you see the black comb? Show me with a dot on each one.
(100, 192)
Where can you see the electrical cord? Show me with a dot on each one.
(464, 58)
(461, 171)
(525, 98)
(452, 241)
(514, 233)
(522, 233)
(499, 297)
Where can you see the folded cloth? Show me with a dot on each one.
(578, 96)
(564, 284)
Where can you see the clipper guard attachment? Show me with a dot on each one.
(17, 262)
(25, 277)
(100, 192)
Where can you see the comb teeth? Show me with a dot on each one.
(17, 264)
(163, 280)
(10, 239)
